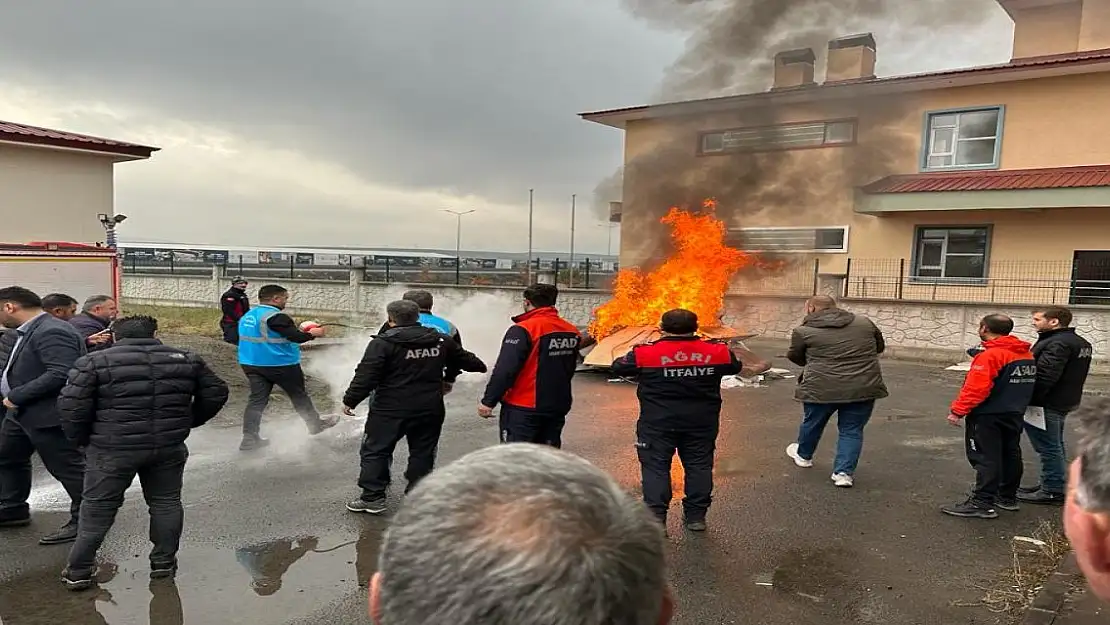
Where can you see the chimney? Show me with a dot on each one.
(851, 58)
(615, 209)
(1051, 27)
(794, 68)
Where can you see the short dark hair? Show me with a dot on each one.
(403, 312)
(137, 327)
(25, 298)
(997, 324)
(1059, 313)
(423, 299)
(542, 295)
(57, 300)
(270, 291)
(679, 321)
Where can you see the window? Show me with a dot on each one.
(782, 137)
(954, 254)
(833, 239)
(963, 139)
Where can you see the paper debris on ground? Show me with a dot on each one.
(735, 381)
(781, 374)
(960, 366)
(1032, 541)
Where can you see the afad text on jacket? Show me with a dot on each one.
(1000, 381)
(537, 361)
(680, 381)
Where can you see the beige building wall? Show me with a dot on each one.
(53, 195)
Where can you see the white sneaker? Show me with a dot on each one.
(842, 480)
(792, 451)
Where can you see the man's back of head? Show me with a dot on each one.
(521, 533)
(818, 303)
(996, 325)
(423, 299)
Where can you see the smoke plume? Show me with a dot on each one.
(730, 51)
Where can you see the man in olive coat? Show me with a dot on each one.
(839, 351)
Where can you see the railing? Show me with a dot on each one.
(1006, 282)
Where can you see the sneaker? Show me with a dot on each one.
(1042, 498)
(163, 571)
(374, 506)
(970, 510)
(696, 526)
(792, 451)
(252, 443)
(1009, 505)
(67, 534)
(1029, 489)
(77, 582)
(842, 480)
(325, 423)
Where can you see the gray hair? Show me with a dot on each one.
(522, 533)
(1093, 490)
(403, 312)
(94, 301)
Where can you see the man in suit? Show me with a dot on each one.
(36, 354)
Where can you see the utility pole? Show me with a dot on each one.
(531, 193)
(458, 239)
(609, 243)
(570, 267)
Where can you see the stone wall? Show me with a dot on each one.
(928, 330)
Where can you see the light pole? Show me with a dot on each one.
(570, 267)
(531, 194)
(458, 238)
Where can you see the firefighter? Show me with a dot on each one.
(532, 377)
(234, 303)
(680, 409)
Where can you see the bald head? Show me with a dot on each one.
(818, 303)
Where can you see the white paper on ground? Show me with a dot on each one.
(960, 366)
(1034, 416)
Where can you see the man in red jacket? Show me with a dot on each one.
(995, 394)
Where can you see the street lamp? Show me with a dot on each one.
(110, 222)
(458, 238)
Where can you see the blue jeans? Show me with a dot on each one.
(1049, 445)
(852, 417)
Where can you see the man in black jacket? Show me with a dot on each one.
(95, 320)
(132, 407)
(406, 368)
(234, 303)
(1063, 361)
(36, 353)
(680, 410)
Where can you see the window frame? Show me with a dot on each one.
(927, 135)
(825, 145)
(915, 259)
(842, 250)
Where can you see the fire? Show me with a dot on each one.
(694, 277)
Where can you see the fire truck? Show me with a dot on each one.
(75, 269)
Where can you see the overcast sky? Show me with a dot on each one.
(355, 122)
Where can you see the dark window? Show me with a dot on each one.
(790, 239)
(951, 253)
(782, 137)
(966, 139)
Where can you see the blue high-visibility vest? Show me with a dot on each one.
(428, 320)
(259, 346)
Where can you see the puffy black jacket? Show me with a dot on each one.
(680, 381)
(139, 395)
(404, 368)
(1063, 362)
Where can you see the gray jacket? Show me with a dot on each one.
(840, 353)
(39, 366)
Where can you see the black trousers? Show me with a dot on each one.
(231, 331)
(60, 455)
(656, 447)
(108, 475)
(262, 381)
(527, 426)
(380, 438)
(994, 450)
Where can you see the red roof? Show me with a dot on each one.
(998, 180)
(34, 135)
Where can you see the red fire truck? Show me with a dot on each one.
(77, 270)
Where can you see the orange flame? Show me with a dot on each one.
(694, 277)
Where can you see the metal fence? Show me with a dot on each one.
(587, 273)
(1005, 282)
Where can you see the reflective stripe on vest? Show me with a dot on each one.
(264, 330)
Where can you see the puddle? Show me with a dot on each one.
(274, 581)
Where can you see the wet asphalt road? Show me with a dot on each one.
(268, 541)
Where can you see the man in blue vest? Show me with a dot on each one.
(270, 353)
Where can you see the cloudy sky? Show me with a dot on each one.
(355, 122)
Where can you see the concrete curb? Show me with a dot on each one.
(1050, 599)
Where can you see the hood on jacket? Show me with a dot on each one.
(1009, 343)
(829, 318)
(411, 335)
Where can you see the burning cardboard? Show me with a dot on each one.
(622, 341)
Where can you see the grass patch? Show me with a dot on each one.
(206, 321)
(1033, 560)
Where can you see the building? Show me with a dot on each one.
(55, 185)
(985, 184)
